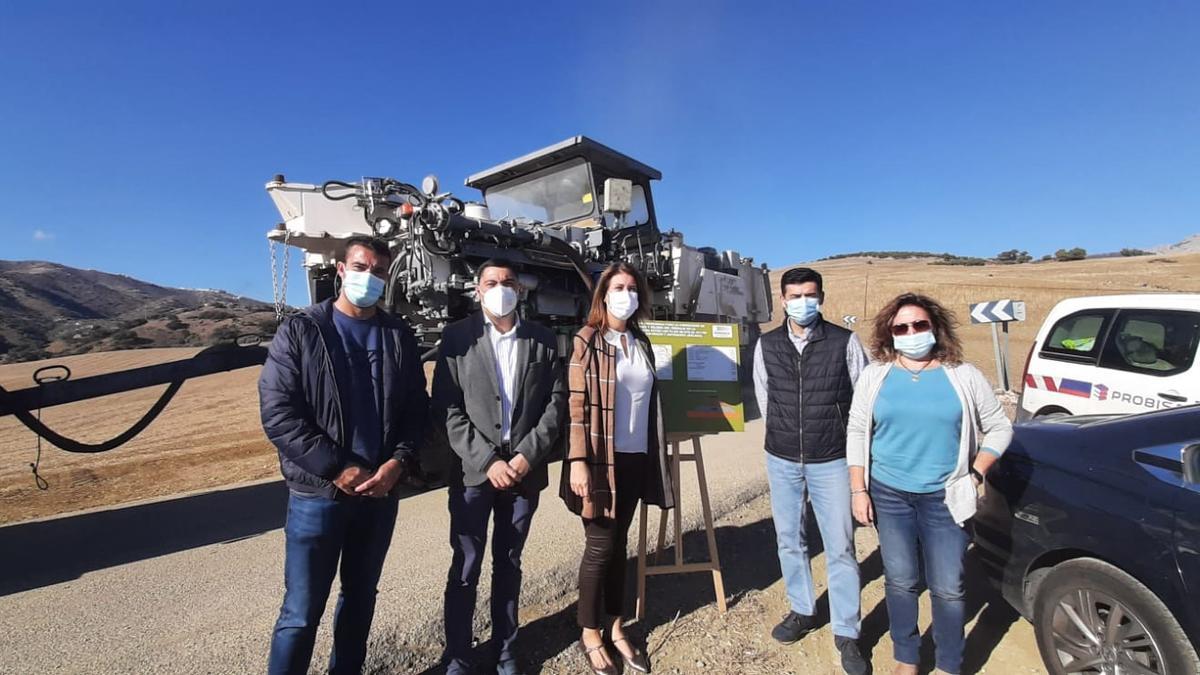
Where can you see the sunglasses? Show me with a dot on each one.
(922, 326)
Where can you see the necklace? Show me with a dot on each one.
(916, 374)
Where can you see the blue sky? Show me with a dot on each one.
(136, 137)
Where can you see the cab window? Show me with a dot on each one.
(1077, 337)
(1154, 342)
(638, 215)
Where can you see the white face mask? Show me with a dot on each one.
(622, 304)
(362, 289)
(915, 345)
(803, 310)
(500, 300)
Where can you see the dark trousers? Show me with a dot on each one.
(602, 570)
(908, 521)
(320, 533)
(470, 510)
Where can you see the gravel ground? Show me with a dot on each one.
(200, 603)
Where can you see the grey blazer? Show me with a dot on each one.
(466, 400)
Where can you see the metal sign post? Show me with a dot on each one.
(1001, 376)
(999, 312)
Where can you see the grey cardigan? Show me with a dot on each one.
(984, 424)
(466, 400)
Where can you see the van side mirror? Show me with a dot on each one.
(1190, 458)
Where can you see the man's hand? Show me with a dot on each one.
(520, 465)
(502, 475)
(351, 477)
(380, 484)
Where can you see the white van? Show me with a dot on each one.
(1114, 354)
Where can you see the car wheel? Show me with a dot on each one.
(1091, 618)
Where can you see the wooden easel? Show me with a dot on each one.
(713, 564)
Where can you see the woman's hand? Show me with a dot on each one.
(581, 481)
(860, 505)
(980, 487)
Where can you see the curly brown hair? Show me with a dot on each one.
(948, 348)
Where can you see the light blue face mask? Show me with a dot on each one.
(803, 310)
(915, 345)
(362, 289)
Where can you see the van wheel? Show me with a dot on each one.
(1051, 412)
(1090, 617)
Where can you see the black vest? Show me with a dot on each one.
(812, 427)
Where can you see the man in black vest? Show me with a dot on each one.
(804, 374)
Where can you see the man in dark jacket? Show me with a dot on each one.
(343, 399)
(804, 375)
(499, 389)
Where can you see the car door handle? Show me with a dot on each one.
(1148, 459)
(1172, 397)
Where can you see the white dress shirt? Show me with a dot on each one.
(635, 380)
(505, 347)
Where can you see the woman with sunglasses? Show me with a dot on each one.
(616, 456)
(924, 429)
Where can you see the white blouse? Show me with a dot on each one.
(634, 382)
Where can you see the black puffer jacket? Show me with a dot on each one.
(305, 383)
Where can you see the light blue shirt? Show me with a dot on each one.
(918, 424)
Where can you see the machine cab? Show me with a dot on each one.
(576, 183)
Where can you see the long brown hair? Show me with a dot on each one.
(948, 348)
(598, 315)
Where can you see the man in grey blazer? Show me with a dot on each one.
(499, 390)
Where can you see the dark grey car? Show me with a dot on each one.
(1091, 525)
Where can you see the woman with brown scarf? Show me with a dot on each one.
(616, 456)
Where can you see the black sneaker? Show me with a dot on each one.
(852, 659)
(793, 627)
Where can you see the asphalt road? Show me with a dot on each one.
(193, 584)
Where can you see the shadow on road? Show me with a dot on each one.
(748, 562)
(994, 619)
(52, 551)
(48, 552)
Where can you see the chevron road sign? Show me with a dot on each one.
(999, 312)
(849, 320)
(994, 311)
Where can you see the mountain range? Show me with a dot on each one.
(47, 309)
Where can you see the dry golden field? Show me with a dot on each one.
(210, 435)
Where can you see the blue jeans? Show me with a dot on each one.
(470, 510)
(320, 533)
(827, 487)
(909, 521)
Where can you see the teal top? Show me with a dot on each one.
(917, 431)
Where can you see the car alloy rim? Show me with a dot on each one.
(1095, 633)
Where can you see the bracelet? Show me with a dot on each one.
(858, 492)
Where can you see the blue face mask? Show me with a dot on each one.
(362, 289)
(915, 345)
(803, 310)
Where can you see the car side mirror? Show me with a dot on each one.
(1190, 458)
